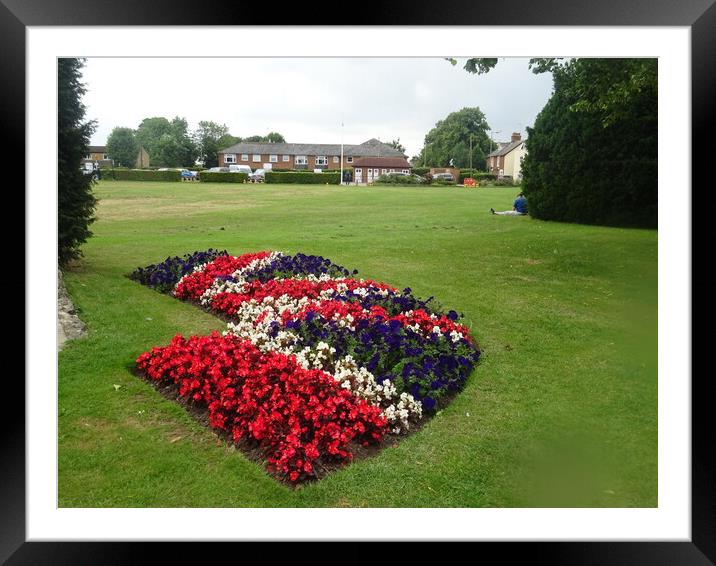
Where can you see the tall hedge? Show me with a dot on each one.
(591, 156)
(75, 200)
(303, 178)
(207, 177)
(140, 175)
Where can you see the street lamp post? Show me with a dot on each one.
(341, 152)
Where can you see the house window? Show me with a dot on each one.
(335, 159)
(406, 171)
(88, 156)
(256, 157)
(229, 158)
(301, 160)
(321, 160)
(273, 158)
(349, 159)
(244, 157)
(359, 170)
(104, 156)
(382, 171)
(286, 158)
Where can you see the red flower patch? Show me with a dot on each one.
(296, 416)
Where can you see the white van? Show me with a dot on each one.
(240, 169)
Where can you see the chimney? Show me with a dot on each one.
(516, 136)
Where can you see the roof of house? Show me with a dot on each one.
(372, 148)
(393, 162)
(97, 149)
(505, 148)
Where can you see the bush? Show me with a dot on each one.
(302, 178)
(422, 171)
(473, 174)
(443, 183)
(207, 177)
(396, 180)
(140, 175)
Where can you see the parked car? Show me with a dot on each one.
(218, 170)
(258, 176)
(240, 169)
(189, 175)
(91, 169)
(444, 177)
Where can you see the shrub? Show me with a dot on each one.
(443, 182)
(207, 177)
(302, 178)
(396, 180)
(140, 175)
(422, 171)
(473, 174)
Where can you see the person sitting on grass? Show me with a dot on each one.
(519, 208)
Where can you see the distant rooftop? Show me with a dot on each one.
(370, 148)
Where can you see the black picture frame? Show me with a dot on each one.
(700, 16)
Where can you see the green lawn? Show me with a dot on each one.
(561, 410)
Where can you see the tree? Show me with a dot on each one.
(122, 146)
(168, 143)
(206, 138)
(452, 137)
(272, 137)
(150, 132)
(275, 137)
(395, 144)
(592, 154)
(75, 201)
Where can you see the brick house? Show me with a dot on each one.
(506, 161)
(98, 154)
(367, 169)
(303, 156)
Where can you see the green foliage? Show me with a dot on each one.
(227, 141)
(397, 180)
(122, 146)
(395, 144)
(75, 200)
(208, 177)
(422, 171)
(442, 182)
(474, 174)
(207, 138)
(140, 175)
(168, 143)
(303, 178)
(477, 65)
(592, 154)
(271, 137)
(450, 139)
(275, 137)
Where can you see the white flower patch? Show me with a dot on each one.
(399, 410)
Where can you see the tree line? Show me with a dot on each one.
(170, 143)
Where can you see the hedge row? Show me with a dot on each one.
(301, 178)
(140, 175)
(207, 177)
(474, 174)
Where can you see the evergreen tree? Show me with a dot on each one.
(76, 202)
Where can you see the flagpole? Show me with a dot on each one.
(341, 152)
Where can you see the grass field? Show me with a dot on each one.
(561, 410)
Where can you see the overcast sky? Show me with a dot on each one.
(307, 99)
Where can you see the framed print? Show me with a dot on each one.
(72, 493)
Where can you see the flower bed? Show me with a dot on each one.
(314, 361)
